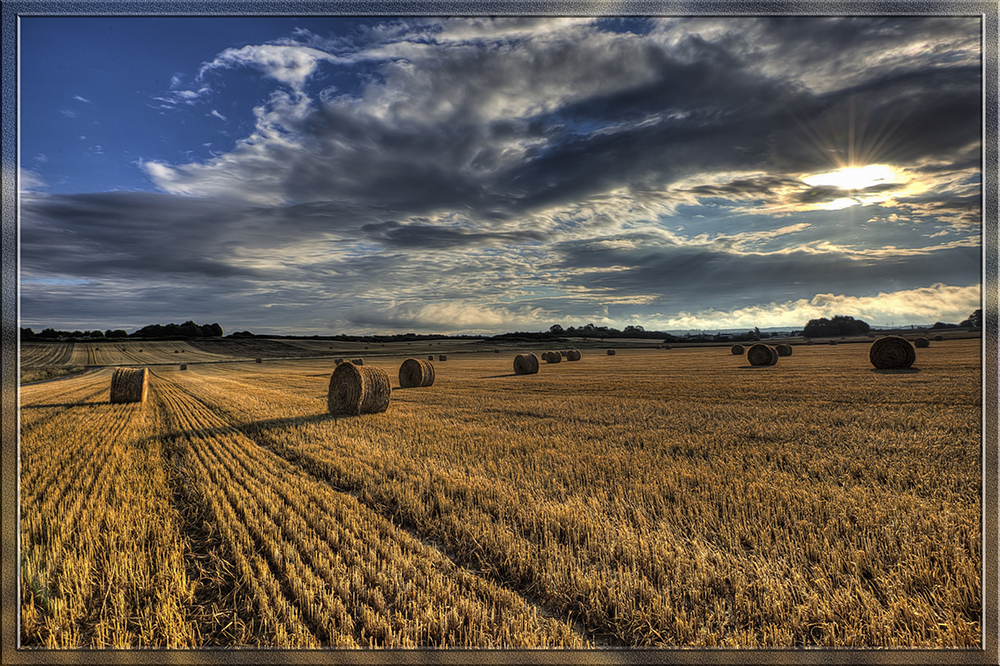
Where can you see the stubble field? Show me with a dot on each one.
(664, 497)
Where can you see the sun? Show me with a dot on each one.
(854, 178)
(860, 184)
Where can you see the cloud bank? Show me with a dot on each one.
(495, 174)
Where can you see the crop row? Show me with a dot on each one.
(321, 569)
(678, 512)
(101, 562)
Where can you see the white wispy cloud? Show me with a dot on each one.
(937, 302)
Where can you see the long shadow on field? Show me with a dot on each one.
(895, 371)
(254, 427)
(47, 405)
(510, 374)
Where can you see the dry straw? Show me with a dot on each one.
(611, 352)
(761, 354)
(356, 389)
(414, 372)
(573, 355)
(129, 385)
(892, 352)
(737, 350)
(552, 357)
(442, 357)
(922, 343)
(525, 364)
(784, 350)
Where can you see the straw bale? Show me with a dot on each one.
(184, 366)
(414, 372)
(921, 343)
(552, 357)
(938, 338)
(892, 352)
(573, 355)
(784, 350)
(129, 385)
(737, 350)
(525, 364)
(356, 389)
(611, 352)
(442, 357)
(258, 360)
(358, 361)
(761, 354)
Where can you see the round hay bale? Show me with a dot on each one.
(892, 352)
(525, 364)
(573, 355)
(129, 385)
(358, 361)
(833, 342)
(430, 357)
(938, 338)
(761, 354)
(184, 366)
(611, 352)
(414, 372)
(356, 389)
(177, 351)
(921, 343)
(784, 350)
(552, 357)
(442, 357)
(337, 361)
(257, 360)
(659, 346)
(737, 350)
(562, 352)
(809, 341)
(667, 347)
(496, 351)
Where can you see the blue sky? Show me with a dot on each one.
(473, 175)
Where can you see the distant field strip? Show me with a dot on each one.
(651, 498)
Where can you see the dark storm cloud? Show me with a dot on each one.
(479, 158)
(426, 236)
(686, 275)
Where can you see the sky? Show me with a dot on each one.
(475, 175)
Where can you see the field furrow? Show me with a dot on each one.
(268, 506)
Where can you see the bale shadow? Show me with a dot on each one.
(66, 404)
(754, 367)
(895, 371)
(511, 374)
(255, 427)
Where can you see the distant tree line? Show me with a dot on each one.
(840, 325)
(187, 330)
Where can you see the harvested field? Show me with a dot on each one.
(635, 500)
